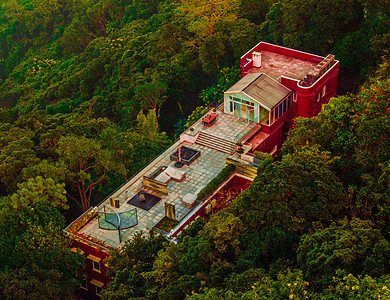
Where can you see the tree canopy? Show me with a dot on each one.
(86, 88)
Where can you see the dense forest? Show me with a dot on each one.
(87, 89)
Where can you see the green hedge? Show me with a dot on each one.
(262, 155)
(217, 181)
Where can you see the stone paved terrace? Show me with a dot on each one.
(227, 126)
(198, 174)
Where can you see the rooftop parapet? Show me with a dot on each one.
(319, 70)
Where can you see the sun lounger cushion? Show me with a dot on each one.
(175, 174)
(163, 177)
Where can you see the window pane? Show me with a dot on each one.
(96, 266)
(281, 109)
(98, 290)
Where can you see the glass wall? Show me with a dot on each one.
(242, 106)
(280, 109)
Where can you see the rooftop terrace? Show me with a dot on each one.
(198, 174)
(276, 65)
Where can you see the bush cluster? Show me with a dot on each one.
(262, 156)
(217, 181)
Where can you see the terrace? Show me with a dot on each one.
(146, 195)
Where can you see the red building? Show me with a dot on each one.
(95, 252)
(277, 85)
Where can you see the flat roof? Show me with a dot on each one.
(277, 65)
(261, 88)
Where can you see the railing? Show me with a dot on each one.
(113, 220)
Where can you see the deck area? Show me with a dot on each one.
(198, 174)
(226, 126)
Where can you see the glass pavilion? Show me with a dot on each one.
(257, 98)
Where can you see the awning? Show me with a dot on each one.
(97, 283)
(94, 258)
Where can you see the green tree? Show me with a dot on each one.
(289, 284)
(312, 25)
(294, 192)
(348, 286)
(129, 267)
(151, 96)
(14, 157)
(354, 246)
(214, 93)
(202, 15)
(32, 248)
(86, 165)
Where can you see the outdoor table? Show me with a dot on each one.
(209, 119)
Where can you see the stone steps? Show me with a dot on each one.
(215, 142)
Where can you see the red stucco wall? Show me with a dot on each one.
(89, 271)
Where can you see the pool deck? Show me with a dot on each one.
(198, 174)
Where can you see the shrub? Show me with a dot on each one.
(196, 115)
(217, 181)
(262, 155)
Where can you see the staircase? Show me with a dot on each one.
(214, 142)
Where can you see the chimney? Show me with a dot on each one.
(256, 58)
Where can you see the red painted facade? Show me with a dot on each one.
(95, 267)
(307, 98)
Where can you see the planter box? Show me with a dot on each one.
(165, 225)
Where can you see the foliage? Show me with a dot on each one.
(85, 165)
(130, 266)
(296, 191)
(214, 93)
(355, 247)
(355, 129)
(196, 115)
(217, 181)
(32, 249)
(95, 80)
(262, 155)
(312, 225)
(355, 287)
(203, 15)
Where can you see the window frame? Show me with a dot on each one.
(98, 286)
(98, 268)
(84, 286)
(98, 290)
